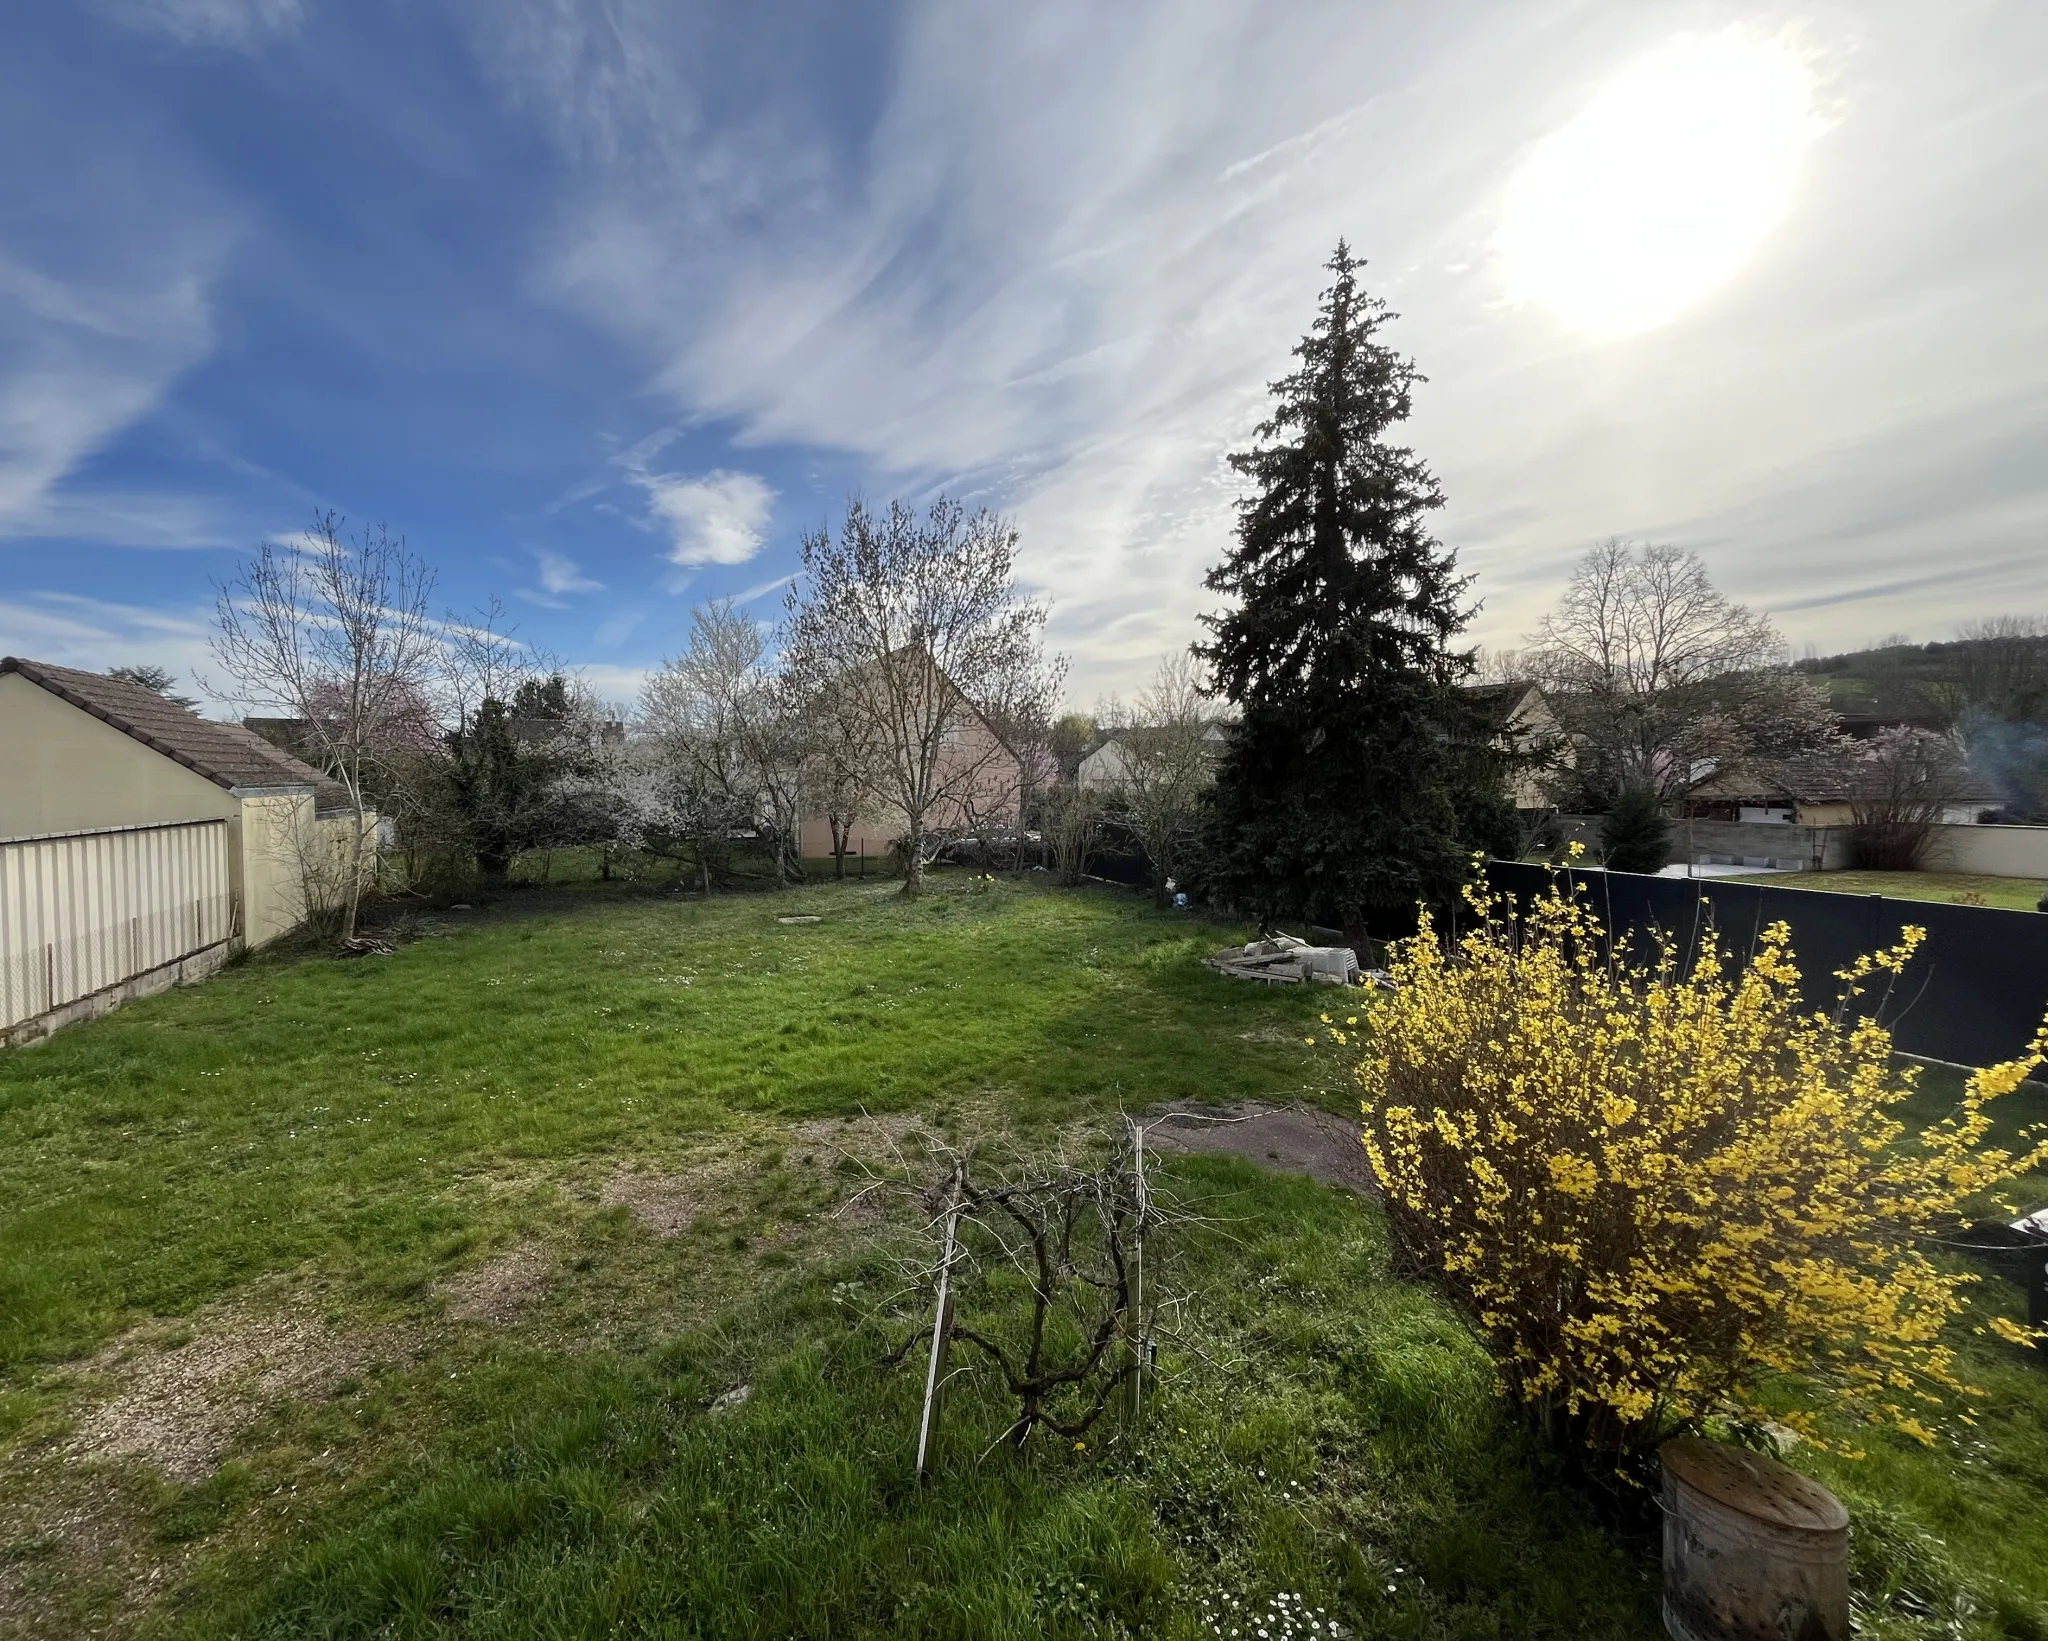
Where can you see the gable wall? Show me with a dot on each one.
(63, 770)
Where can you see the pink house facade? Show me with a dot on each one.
(983, 780)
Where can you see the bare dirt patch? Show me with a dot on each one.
(1293, 1139)
(666, 1204)
(864, 1138)
(501, 1287)
(184, 1391)
(69, 1535)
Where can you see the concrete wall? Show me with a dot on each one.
(63, 770)
(185, 971)
(268, 855)
(293, 863)
(1810, 848)
(814, 838)
(1995, 851)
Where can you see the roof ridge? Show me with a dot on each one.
(218, 752)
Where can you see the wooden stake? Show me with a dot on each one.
(1140, 1344)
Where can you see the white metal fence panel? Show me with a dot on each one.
(85, 911)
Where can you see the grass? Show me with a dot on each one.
(347, 1143)
(359, 1115)
(2018, 894)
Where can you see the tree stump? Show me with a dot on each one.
(1753, 1551)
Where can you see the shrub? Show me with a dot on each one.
(1903, 785)
(1650, 1186)
(1636, 836)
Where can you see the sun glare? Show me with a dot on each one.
(1662, 186)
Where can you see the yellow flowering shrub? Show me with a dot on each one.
(1650, 1186)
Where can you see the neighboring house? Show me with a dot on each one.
(1524, 723)
(990, 798)
(1810, 793)
(141, 844)
(1108, 766)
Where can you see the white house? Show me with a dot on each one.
(1108, 766)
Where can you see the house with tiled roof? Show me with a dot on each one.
(141, 844)
(1813, 792)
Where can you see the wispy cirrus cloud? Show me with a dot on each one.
(69, 630)
(87, 355)
(240, 25)
(111, 244)
(1077, 247)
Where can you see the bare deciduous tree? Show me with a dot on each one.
(1902, 787)
(2002, 667)
(843, 777)
(1078, 1233)
(1659, 678)
(742, 739)
(336, 634)
(1168, 760)
(1071, 816)
(912, 627)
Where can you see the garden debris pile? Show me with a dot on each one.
(1286, 961)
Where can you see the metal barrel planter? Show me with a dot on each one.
(1753, 1550)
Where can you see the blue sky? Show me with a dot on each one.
(603, 302)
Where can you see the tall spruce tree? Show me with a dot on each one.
(1338, 799)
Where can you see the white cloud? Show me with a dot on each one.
(559, 577)
(615, 630)
(87, 356)
(1075, 247)
(127, 518)
(101, 310)
(67, 630)
(617, 686)
(763, 590)
(714, 518)
(241, 25)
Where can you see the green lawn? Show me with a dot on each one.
(334, 1302)
(2019, 894)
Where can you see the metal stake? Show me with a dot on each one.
(942, 1325)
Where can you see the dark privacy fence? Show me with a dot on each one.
(1126, 866)
(1973, 994)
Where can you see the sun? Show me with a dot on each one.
(1660, 189)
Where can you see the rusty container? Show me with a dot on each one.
(1753, 1551)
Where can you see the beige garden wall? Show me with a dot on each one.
(272, 896)
(1995, 851)
(293, 862)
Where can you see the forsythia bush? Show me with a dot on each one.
(1649, 1187)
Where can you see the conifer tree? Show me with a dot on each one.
(1337, 800)
(1635, 836)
